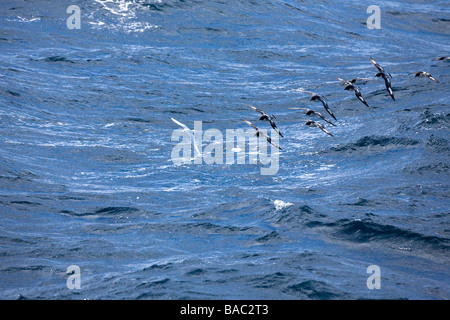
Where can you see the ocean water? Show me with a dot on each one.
(87, 177)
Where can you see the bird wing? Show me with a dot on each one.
(270, 140)
(256, 109)
(360, 97)
(191, 133)
(180, 124)
(274, 126)
(350, 86)
(251, 124)
(344, 82)
(301, 90)
(388, 87)
(262, 133)
(322, 128)
(429, 76)
(360, 79)
(325, 105)
(380, 68)
(323, 118)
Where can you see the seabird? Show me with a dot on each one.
(316, 97)
(265, 116)
(259, 132)
(312, 112)
(379, 67)
(385, 76)
(442, 58)
(311, 123)
(350, 86)
(424, 74)
(387, 83)
(191, 133)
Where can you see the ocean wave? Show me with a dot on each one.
(374, 143)
(315, 289)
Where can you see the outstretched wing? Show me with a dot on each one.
(191, 134)
(301, 90)
(251, 124)
(360, 98)
(270, 140)
(379, 67)
(256, 109)
(321, 127)
(274, 126)
(323, 118)
(344, 82)
(325, 105)
(429, 76)
(261, 133)
(180, 124)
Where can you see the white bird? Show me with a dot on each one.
(191, 133)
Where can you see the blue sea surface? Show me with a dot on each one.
(87, 176)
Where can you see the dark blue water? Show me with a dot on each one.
(86, 176)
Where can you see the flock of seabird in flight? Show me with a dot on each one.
(349, 85)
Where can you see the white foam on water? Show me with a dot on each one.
(280, 204)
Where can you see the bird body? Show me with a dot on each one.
(260, 133)
(424, 74)
(266, 117)
(310, 112)
(316, 97)
(358, 93)
(311, 123)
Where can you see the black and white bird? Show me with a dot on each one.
(311, 123)
(351, 86)
(270, 118)
(442, 58)
(191, 134)
(259, 132)
(386, 76)
(310, 112)
(425, 74)
(316, 97)
(387, 83)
